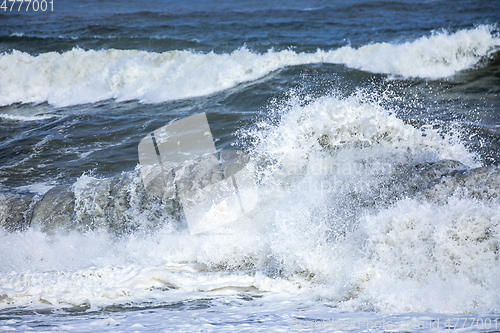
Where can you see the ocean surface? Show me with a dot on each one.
(373, 131)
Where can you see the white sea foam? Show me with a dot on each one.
(437, 56)
(79, 76)
(432, 257)
(37, 188)
(26, 118)
(341, 171)
(340, 217)
(93, 270)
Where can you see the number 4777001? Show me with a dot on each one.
(27, 5)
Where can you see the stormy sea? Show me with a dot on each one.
(372, 136)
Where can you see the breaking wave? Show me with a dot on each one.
(79, 76)
(356, 207)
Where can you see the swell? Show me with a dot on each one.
(78, 76)
(120, 206)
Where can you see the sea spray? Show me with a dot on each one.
(350, 197)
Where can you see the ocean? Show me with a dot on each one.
(372, 130)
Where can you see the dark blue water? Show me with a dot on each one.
(225, 26)
(81, 85)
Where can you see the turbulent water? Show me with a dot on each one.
(373, 129)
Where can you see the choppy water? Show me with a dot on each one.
(373, 127)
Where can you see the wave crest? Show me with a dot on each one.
(79, 76)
